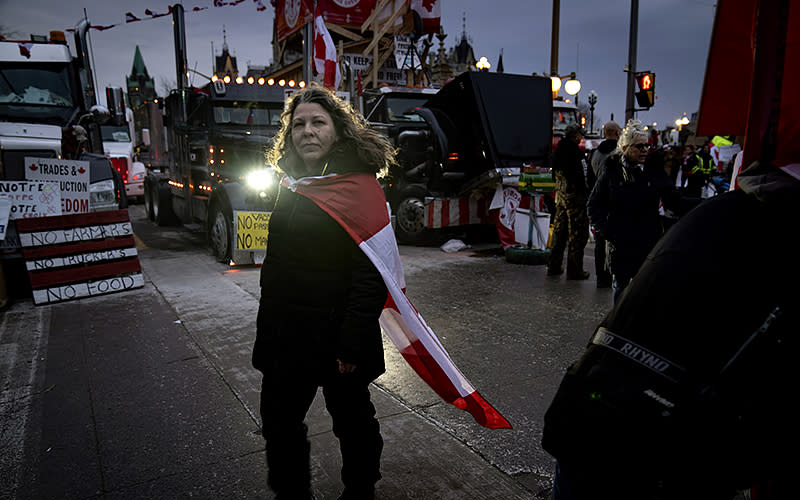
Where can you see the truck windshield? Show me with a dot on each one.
(562, 117)
(38, 93)
(401, 109)
(246, 113)
(114, 133)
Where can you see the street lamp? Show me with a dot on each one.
(572, 86)
(483, 64)
(592, 102)
(555, 84)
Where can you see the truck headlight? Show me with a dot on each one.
(260, 180)
(102, 192)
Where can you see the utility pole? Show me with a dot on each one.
(630, 103)
(554, 38)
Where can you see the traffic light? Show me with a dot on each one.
(646, 82)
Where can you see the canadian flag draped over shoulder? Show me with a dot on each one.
(357, 203)
(325, 59)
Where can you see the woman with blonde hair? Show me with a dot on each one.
(624, 205)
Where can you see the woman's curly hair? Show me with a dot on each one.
(632, 130)
(354, 135)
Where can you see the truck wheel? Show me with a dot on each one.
(410, 216)
(148, 199)
(119, 188)
(162, 206)
(527, 256)
(220, 230)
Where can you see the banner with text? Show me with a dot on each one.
(83, 255)
(72, 177)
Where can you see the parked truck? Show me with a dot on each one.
(118, 134)
(217, 136)
(48, 110)
(458, 144)
(216, 159)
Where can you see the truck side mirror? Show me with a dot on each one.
(100, 114)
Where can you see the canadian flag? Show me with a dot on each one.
(357, 203)
(25, 49)
(325, 60)
(430, 12)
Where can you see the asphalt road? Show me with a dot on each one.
(509, 328)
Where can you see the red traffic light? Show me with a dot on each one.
(646, 80)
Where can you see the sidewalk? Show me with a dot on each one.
(115, 397)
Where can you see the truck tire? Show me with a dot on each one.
(409, 212)
(119, 189)
(148, 198)
(220, 231)
(162, 205)
(527, 256)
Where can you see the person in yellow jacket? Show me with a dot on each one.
(702, 166)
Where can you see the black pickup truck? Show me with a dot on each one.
(475, 131)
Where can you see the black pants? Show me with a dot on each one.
(285, 400)
(600, 267)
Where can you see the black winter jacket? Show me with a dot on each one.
(320, 295)
(705, 288)
(624, 208)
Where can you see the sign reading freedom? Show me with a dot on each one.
(72, 177)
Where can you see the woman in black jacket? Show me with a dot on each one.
(624, 205)
(321, 298)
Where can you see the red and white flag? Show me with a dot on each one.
(357, 203)
(25, 49)
(430, 12)
(325, 60)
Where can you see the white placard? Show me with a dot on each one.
(31, 199)
(72, 177)
(5, 210)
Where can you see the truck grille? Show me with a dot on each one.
(12, 167)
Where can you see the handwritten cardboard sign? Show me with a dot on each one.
(31, 199)
(252, 229)
(74, 256)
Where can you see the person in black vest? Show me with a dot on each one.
(570, 224)
(321, 298)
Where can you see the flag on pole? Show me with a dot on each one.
(357, 203)
(430, 13)
(325, 59)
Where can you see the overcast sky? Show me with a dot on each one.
(593, 41)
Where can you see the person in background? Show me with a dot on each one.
(570, 224)
(702, 166)
(689, 162)
(611, 131)
(321, 298)
(624, 205)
